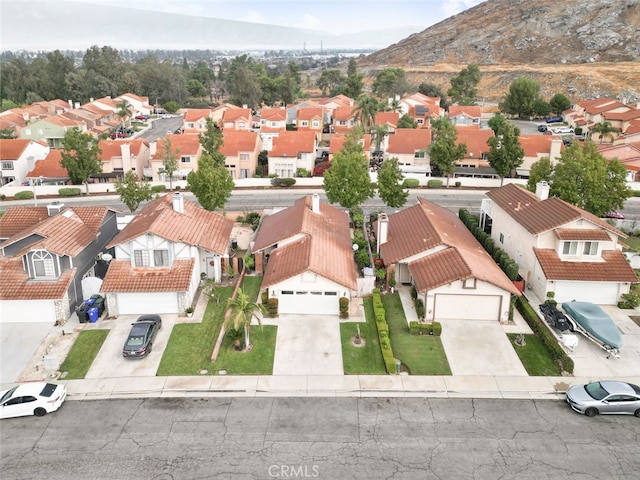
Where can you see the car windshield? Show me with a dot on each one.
(7, 395)
(135, 341)
(596, 390)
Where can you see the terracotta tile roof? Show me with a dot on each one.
(472, 111)
(387, 118)
(195, 114)
(113, 148)
(474, 138)
(289, 144)
(615, 267)
(128, 95)
(337, 141)
(62, 121)
(196, 226)
(236, 141)
(12, 118)
(538, 216)
(15, 284)
(12, 148)
(630, 114)
(408, 140)
(233, 114)
(17, 219)
(533, 145)
(427, 226)
(122, 277)
(96, 109)
(273, 114)
(185, 144)
(49, 167)
(339, 99)
(309, 113)
(110, 102)
(321, 243)
(582, 234)
(343, 113)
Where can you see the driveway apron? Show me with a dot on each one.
(19, 342)
(308, 345)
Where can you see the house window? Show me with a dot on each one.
(342, 122)
(263, 122)
(287, 292)
(244, 157)
(501, 238)
(316, 124)
(244, 173)
(419, 121)
(161, 258)
(43, 266)
(7, 165)
(420, 154)
(274, 124)
(299, 156)
(141, 258)
(570, 248)
(304, 123)
(590, 248)
(185, 159)
(469, 283)
(241, 124)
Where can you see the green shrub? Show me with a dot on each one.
(69, 192)
(411, 183)
(283, 182)
(23, 195)
(272, 307)
(629, 301)
(158, 188)
(414, 293)
(434, 183)
(303, 172)
(344, 307)
(362, 258)
(357, 216)
(264, 297)
(458, 184)
(511, 269)
(437, 329)
(419, 308)
(3, 196)
(419, 328)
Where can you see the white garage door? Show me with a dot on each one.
(594, 292)
(309, 303)
(27, 311)
(472, 307)
(166, 302)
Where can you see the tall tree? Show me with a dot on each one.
(587, 179)
(407, 121)
(133, 191)
(498, 123)
(211, 184)
(58, 67)
(391, 81)
(354, 84)
(464, 86)
(434, 91)
(541, 171)
(390, 186)
(524, 93)
(443, 151)
(365, 111)
(241, 310)
(347, 182)
(169, 161)
(242, 82)
(123, 111)
(559, 103)
(377, 135)
(211, 140)
(329, 80)
(505, 152)
(80, 156)
(604, 130)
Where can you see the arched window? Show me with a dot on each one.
(43, 265)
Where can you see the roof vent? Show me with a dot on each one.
(54, 208)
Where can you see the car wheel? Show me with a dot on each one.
(149, 349)
(39, 412)
(591, 412)
(637, 413)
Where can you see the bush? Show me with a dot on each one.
(344, 307)
(357, 216)
(414, 293)
(433, 183)
(303, 172)
(264, 297)
(418, 328)
(362, 258)
(3, 196)
(69, 192)
(283, 182)
(629, 301)
(411, 183)
(437, 329)
(419, 308)
(158, 188)
(23, 195)
(458, 184)
(272, 307)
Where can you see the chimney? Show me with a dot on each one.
(70, 103)
(383, 230)
(77, 105)
(54, 208)
(178, 202)
(315, 203)
(542, 190)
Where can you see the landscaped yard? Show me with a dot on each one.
(190, 345)
(534, 357)
(82, 353)
(421, 354)
(366, 360)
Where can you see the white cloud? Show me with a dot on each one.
(253, 16)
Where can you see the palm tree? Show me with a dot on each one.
(123, 111)
(240, 313)
(366, 109)
(378, 133)
(605, 129)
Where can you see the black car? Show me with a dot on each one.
(140, 339)
(542, 128)
(556, 119)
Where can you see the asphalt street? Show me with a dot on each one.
(324, 438)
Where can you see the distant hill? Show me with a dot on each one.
(525, 32)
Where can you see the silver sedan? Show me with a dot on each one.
(605, 397)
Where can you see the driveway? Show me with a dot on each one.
(308, 345)
(110, 363)
(18, 343)
(479, 347)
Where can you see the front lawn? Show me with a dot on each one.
(534, 357)
(83, 352)
(190, 345)
(365, 360)
(421, 354)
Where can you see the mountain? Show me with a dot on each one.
(525, 32)
(51, 25)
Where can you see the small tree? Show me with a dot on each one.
(443, 151)
(80, 156)
(391, 81)
(541, 171)
(505, 152)
(559, 103)
(211, 184)
(464, 86)
(241, 311)
(605, 130)
(133, 191)
(407, 121)
(390, 185)
(169, 161)
(522, 97)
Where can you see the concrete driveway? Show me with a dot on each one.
(479, 347)
(18, 343)
(110, 363)
(308, 345)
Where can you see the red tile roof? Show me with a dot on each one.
(387, 118)
(233, 114)
(195, 114)
(273, 114)
(196, 226)
(236, 141)
(49, 167)
(582, 234)
(615, 267)
(408, 140)
(475, 139)
(290, 143)
(12, 148)
(309, 113)
(472, 111)
(343, 113)
(113, 148)
(17, 219)
(184, 144)
(16, 285)
(336, 142)
(533, 145)
(122, 277)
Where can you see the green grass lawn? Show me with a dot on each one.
(420, 354)
(634, 242)
(365, 360)
(82, 353)
(534, 357)
(190, 345)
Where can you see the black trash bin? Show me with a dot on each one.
(83, 316)
(98, 301)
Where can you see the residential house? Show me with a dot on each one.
(90, 119)
(337, 142)
(306, 256)
(558, 247)
(410, 146)
(588, 113)
(292, 151)
(465, 114)
(18, 157)
(48, 254)
(187, 150)
(139, 105)
(195, 120)
(12, 121)
(389, 120)
(343, 119)
(311, 118)
(49, 171)
(51, 130)
(429, 247)
(537, 147)
(292, 111)
(241, 150)
(237, 119)
(123, 155)
(273, 120)
(106, 120)
(106, 103)
(162, 254)
(418, 105)
(474, 163)
(337, 101)
(628, 154)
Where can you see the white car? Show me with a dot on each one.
(563, 130)
(38, 398)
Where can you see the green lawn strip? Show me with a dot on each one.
(633, 242)
(366, 360)
(421, 354)
(190, 345)
(82, 353)
(534, 357)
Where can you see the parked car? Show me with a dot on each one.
(38, 398)
(605, 397)
(566, 141)
(140, 340)
(142, 117)
(115, 135)
(614, 214)
(563, 130)
(542, 128)
(556, 119)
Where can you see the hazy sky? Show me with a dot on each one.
(333, 16)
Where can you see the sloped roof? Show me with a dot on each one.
(183, 144)
(474, 138)
(472, 111)
(195, 114)
(273, 114)
(336, 142)
(387, 118)
(17, 219)
(233, 114)
(343, 113)
(49, 167)
(122, 277)
(408, 140)
(16, 285)
(113, 148)
(538, 216)
(615, 267)
(582, 234)
(533, 145)
(196, 226)
(236, 141)
(308, 113)
(289, 144)
(12, 148)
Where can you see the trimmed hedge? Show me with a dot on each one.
(23, 195)
(437, 328)
(418, 328)
(264, 297)
(383, 332)
(69, 192)
(158, 188)
(272, 307)
(411, 183)
(283, 182)
(434, 183)
(344, 307)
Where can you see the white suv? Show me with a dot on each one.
(562, 130)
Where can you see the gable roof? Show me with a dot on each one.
(196, 226)
(343, 113)
(49, 167)
(474, 138)
(16, 285)
(308, 113)
(123, 277)
(183, 144)
(113, 148)
(336, 142)
(195, 114)
(12, 148)
(236, 141)
(234, 114)
(387, 118)
(290, 143)
(615, 268)
(538, 216)
(534, 145)
(472, 111)
(408, 140)
(273, 114)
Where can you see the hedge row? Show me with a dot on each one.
(23, 195)
(383, 332)
(283, 182)
(419, 328)
(545, 336)
(411, 183)
(69, 192)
